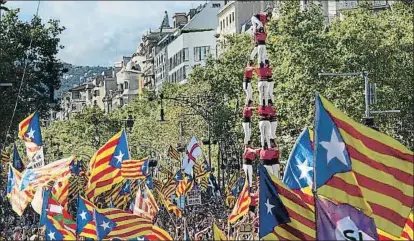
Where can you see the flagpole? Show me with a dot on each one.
(165, 205)
(315, 135)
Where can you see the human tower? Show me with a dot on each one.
(268, 152)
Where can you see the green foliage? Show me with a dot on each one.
(43, 68)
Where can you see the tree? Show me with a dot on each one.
(40, 43)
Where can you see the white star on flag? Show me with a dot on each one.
(334, 148)
(269, 206)
(83, 215)
(304, 170)
(30, 134)
(105, 225)
(120, 156)
(51, 235)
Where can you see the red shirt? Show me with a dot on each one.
(260, 37)
(249, 154)
(247, 112)
(270, 110)
(253, 200)
(248, 72)
(262, 73)
(268, 154)
(263, 111)
(269, 72)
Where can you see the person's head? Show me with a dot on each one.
(249, 144)
(269, 16)
(261, 30)
(267, 62)
(250, 103)
(250, 63)
(261, 65)
(272, 143)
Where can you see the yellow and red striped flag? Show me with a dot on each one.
(127, 225)
(242, 205)
(408, 231)
(171, 207)
(18, 199)
(60, 191)
(85, 226)
(105, 165)
(173, 153)
(368, 166)
(135, 169)
(158, 234)
(301, 214)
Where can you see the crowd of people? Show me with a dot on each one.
(13, 227)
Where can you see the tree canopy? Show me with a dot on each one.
(34, 44)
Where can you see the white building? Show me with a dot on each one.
(189, 45)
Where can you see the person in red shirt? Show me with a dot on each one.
(260, 20)
(247, 118)
(262, 84)
(260, 46)
(270, 159)
(270, 82)
(264, 126)
(273, 122)
(248, 156)
(247, 85)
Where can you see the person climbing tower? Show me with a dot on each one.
(260, 46)
(249, 155)
(264, 126)
(270, 159)
(260, 20)
(273, 122)
(247, 116)
(270, 82)
(262, 84)
(247, 85)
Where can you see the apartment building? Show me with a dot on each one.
(332, 9)
(172, 52)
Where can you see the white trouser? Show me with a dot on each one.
(248, 170)
(262, 53)
(264, 126)
(253, 53)
(273, 126)
(270, 86)
(249, 91)
(263, 92)
(254, 22)
(247, 132)
(273, 169)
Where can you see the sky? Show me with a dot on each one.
(101, 32)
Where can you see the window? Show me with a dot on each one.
(232, 16)
(185, 54)
(197, 53)
(201, 53)
(75, 95)
(227, 21)
(126, 84)
(96, 93)
(216, 5)
(221, 25)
